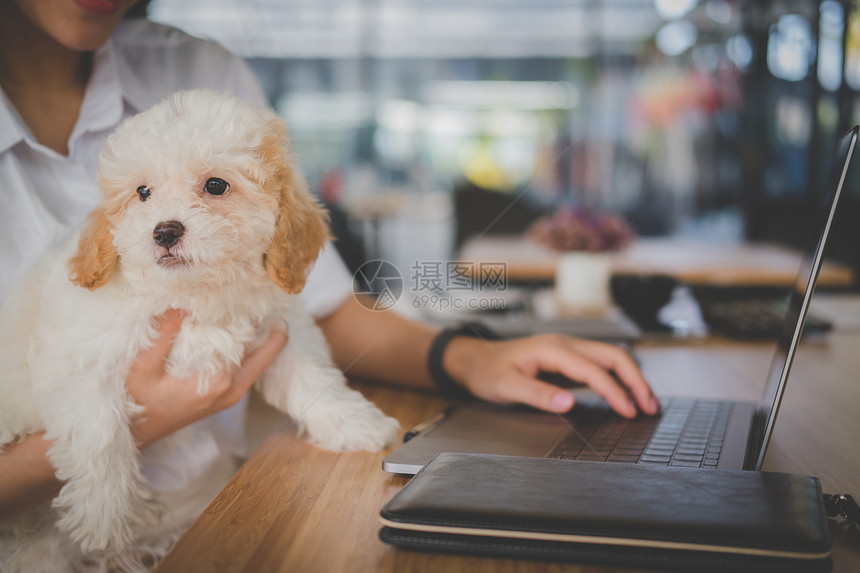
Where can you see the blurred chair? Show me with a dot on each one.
(479, 211)
(349, 245)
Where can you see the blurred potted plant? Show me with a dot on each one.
(585, 240)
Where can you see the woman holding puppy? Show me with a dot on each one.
(70, 71)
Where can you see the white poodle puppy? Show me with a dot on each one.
(202, 211)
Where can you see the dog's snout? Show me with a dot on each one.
(168, 233)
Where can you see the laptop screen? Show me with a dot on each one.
(801, 293)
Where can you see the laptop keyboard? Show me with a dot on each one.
(687, 433)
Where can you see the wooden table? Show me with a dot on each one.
(690, 261)
(295, 508)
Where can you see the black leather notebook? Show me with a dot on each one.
(612, 514)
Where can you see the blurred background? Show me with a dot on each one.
(423, 123)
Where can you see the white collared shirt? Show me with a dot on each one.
(44, 195)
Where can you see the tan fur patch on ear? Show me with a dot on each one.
(93, 263)
(302, 227)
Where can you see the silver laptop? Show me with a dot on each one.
(687, 432)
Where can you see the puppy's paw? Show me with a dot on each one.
(362, 426)
(371, 435)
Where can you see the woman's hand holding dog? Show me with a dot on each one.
(172, 403)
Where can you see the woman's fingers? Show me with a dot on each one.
(539, 394)
(622, 364)
(558, 358)
(257, 361)
(150, 361)
(607, 369)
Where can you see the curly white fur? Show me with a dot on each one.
(67, 349)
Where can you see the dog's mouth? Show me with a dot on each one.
(170, 260)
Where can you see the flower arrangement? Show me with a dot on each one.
(571, 228)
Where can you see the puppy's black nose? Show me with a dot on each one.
(168, 233)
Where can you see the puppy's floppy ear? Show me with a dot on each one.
(94, 262)
(302, 225)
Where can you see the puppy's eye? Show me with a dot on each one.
(216, 186)
(143, 192)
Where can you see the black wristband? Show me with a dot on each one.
(447, 385)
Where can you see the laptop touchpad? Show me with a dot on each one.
(511, 428)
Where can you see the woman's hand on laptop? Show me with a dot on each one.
(507, 372)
